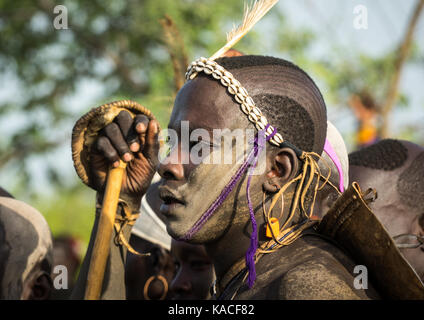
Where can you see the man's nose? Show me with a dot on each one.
(181, 283)
(172, 167)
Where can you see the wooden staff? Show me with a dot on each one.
(104, 232)
(84, 134)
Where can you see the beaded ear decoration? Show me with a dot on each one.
(266, 132)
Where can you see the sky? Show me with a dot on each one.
(332, 20)
(387, 22)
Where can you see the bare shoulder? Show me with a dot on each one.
(310, 268)
(325, 272)
(316, 280)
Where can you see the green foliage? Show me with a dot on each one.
(69, 211)
(117, 44)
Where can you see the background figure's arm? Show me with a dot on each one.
(114, 278)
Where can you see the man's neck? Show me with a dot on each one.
(228, 253)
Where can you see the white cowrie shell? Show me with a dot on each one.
(257, 111)
(232, 89)
(259, 125)
(245, 108)
(252, 117)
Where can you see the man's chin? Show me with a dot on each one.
(180, 219)
(178, 230)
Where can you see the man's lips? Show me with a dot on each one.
(169, 198)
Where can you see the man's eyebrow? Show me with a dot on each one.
(191, 127)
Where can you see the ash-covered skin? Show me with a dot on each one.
(206, 104)
(198, 186)
(187, 268)
(206, 180)
(25, 252)
(309, 269)
(189, 189)
(399, 193)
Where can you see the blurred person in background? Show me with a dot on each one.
(26, 255)
(195, 273)
(67, 253)
(175, 270)
(395, 168)
(366, 113)
(4, 193)
(333, 158)
(148, 278)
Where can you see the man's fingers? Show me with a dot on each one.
(126, 135)
(105, 148)
(141, 123)
(124, 120)
(114, 134)
(151, 147)
(126, 124)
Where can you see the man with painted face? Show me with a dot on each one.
(220, 205)
(26, 253)
(395, 168)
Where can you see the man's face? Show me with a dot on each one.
(195, 272)
(395, 216)
(388, 207)
(139, 269)
(415, 256)
(191, 187)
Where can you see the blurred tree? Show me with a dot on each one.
(128, 49)
(375, 80)
(399, 62)
(117, 43)
(120, 45)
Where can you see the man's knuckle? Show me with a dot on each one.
(112, 129)
(142, 119)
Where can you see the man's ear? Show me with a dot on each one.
(284, 167)
(41, 287)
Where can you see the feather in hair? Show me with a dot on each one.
(250, 18)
